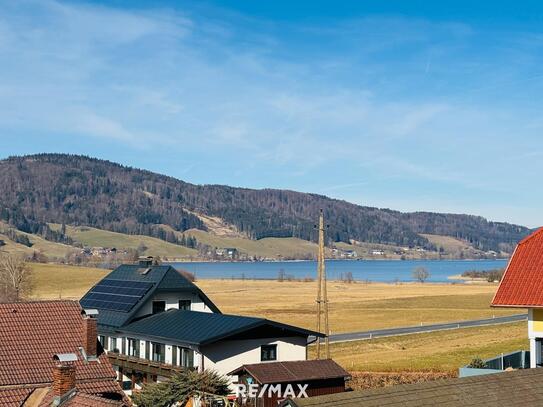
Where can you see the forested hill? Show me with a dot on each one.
(78, 190)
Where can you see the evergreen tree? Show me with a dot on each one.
(180, 387)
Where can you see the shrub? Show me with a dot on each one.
(477, 363)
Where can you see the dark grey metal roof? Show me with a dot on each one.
(204, 328)
(516, 388)
(163, 278)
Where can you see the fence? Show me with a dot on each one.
(514, 360)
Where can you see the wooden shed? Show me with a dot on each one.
(316, 377)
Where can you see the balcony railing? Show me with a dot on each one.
(146, 366)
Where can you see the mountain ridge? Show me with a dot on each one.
(85, 191)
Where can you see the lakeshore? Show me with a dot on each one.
(385, 271)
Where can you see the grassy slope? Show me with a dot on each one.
(102, 238)
(39, 244)
(275, 248)
(443, 350)
(449, 244)
(268, 247)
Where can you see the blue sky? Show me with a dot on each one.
(406, 105)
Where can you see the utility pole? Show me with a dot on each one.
(322, 293)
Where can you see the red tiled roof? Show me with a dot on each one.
(522, 282)
(98, 387)
(87, 400)
(295, 371)
(32, 332)
(14, 397)
(81, 399)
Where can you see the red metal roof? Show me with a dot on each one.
(522, 282)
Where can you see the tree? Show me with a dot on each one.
(141, 248)
(180, 387)
(15, 279)
(349, 277)
(421, 274)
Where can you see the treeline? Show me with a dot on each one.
(78, 190)
(489, 275)
(15, 217)
(188, 241)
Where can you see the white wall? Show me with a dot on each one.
(168, 355)
(172, 301)
(533, 333)
(226, 356)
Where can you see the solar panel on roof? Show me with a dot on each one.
(115, 295)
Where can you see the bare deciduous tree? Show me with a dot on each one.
(15, 278)
(421, 274)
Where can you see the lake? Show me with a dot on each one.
(372, 270)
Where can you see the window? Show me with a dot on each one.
(185, 358)
(113, 345)
(133, 347)
(184, 305)
(103, 341)
(158, 352)
(268, 352)
(159, 306)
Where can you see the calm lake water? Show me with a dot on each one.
(372, 270)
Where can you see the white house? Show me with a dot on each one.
(153, 321)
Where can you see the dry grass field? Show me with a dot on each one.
(52, 281)
(356, 306)
(353, 307)
(440, 351)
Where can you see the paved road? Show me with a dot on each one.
(355, 336)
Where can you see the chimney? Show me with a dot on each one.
(90, 333)
(145, 261)
(64, 374)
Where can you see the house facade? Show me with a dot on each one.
(153, 322)
(522, 287)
